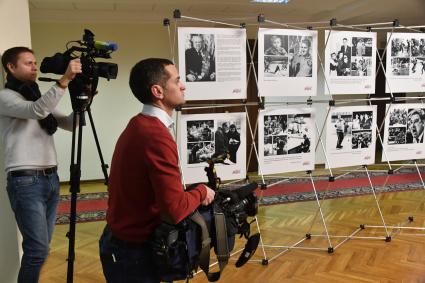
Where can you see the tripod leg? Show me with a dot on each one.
(75, 169)
(99, 151)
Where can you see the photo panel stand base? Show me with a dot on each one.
(397, 229)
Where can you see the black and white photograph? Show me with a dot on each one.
(417, 67)
(200, 140)
(397, 117)
(275, 124)
(275, 45)
(361, 139)
(276, 66)
(200, 58)
(300, 56)
(397, 135)
(205, 136)
(286, 140)
(415, 125)
(400, 66)
(351, 136)
(361, 66)
(406, 61)
(404, 132)
(400, 47)
(362, 46)
(212, 62)
(228, 138)
(362, 120)
(350, 60)
(287, 60)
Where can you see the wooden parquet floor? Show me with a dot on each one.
(357, 260)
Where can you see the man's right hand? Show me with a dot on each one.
(209, 197)
(74, 68)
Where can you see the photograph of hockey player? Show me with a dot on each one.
(341, 123)
(200, 140)
(298, 133)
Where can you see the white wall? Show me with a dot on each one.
(14, 30)
(115, 104)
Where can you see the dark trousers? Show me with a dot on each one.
(126, 263)
(340, 135)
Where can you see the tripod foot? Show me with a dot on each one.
(362, 226)
(388, 239)
(330, 250)
(308, 236)
(265, 262)
(410, 218)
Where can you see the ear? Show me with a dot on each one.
(10, 67)
(157, 91)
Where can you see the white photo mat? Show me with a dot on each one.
(405, 69)
(351, 136)
(350, 62)
(286, 140)
(287, 62)
(403, 132)
(212, 62)
(203, 136)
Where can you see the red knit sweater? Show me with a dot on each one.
(145, 181)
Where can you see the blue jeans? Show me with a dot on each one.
(123, 263)
(34, 200)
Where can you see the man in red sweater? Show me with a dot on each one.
(145, 183)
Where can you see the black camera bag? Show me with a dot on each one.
(178, 250)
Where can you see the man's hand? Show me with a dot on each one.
(74, 68)
(209, 197)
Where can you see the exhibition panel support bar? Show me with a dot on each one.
(331, 26)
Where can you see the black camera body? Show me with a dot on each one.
(89, 50)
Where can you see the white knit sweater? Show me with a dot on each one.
(25, 144)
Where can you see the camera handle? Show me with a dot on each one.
(75, 169)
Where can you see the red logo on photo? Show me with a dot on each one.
(367, 86)
(308, 88)
(306, 163)
(237, 171)
(419, 152)
(237, 90)
(367, 157)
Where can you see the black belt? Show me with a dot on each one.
(32, 172)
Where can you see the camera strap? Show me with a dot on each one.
(222, 245)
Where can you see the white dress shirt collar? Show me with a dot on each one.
(153, 111)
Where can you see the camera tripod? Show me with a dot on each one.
(81, 95)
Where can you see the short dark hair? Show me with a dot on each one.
(147, 73)
(11, 56)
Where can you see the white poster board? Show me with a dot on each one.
(350, 62)
(351, 136)
(212, 62)
(404, 132)
(287, 62)
(204, 136)
(405, 62)
(286, 140)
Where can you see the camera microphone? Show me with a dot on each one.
(105, 45)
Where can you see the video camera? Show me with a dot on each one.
(87, 50)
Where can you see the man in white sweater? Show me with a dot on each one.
(28, 121)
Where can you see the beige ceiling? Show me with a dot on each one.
(409, 12)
